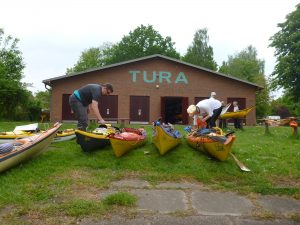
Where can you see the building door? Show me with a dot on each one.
(108, 106)
(67, 113)
(139, 108)
(173, 110)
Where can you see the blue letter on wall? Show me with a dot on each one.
(164, 75)
(181, 78)
(153, 77)
(134, 73)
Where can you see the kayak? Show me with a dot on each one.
(126, 140)
(238, 115)
(165, 137)
(64, 135)
(10, 136)
(98, 139)
(214, 144)
(20, 150)
(19, 132)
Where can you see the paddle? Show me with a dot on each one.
(239, 163)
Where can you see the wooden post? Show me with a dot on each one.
(267, 131)
(295, 132)
(294, 125)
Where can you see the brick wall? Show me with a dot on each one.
(169, 79)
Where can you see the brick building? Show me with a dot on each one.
(151, 87)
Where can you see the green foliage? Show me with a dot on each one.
(285, 106)
(246, 66)
(91, 58)
(200, 53)
(262, 98)
(287, 45)
(43, 99)
(81, 207)
(143, 41)
(121, 199)
(11, 60)
(13, 93)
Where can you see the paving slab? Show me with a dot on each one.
(279, 204)
(264, 222)
(162, 201)
(115, 220)
(220, 203)
(185, 220)
(191, 220)
(133, 183)
(162, 220)
(172, 203)
(170, 185)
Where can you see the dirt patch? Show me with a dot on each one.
(84, 192)
(285, 182)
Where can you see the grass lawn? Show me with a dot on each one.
(66, 175)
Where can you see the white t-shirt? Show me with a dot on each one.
(207, 106)
(235, 108)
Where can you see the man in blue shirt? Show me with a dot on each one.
(85, 98)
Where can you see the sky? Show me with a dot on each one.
(54, 33)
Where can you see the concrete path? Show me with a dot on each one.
(187, 203)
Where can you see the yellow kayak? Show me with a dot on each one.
(11, 135)
(239, 114)
(97, 139)
(213, 144)
(127, 140)
(64, 135)
(165, 140)
(14, 134)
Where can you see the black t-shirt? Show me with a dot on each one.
(90, 92)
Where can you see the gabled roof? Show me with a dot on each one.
(48, 81)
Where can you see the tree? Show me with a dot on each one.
(12, 91)
(285, 106)
(91, 58)
(287, 50)
(200, 53)
(143, 41)
(246, 66)
(43, 97)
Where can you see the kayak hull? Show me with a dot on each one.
(31, 147)
(216, 149)
(164, 141)
(236, 115)
(65, 135)
(90, 141)
(122, 144)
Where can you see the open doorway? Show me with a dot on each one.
(173, 110)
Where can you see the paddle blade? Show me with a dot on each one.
(239, 163)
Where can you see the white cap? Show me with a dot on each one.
(213, 94)
(191, 110)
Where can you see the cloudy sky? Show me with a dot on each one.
(53, 33)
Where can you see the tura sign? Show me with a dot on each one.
(158, 77)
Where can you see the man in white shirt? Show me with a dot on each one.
(236, 121)
(209, 109)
